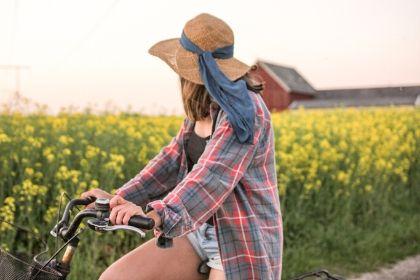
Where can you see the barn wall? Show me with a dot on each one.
(275, 97)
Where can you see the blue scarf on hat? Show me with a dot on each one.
(233, 97)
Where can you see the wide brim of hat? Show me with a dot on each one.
(185, 63)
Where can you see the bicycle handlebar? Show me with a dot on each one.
(99, 221)
(101, 213)
(76, 202)
(141, 222)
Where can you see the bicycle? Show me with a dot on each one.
(13, 268)
(55, 268)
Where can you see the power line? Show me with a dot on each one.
(14, 29)
(88, 34)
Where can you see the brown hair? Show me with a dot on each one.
(197, 100)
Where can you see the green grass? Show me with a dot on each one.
(345, 249)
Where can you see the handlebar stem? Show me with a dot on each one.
(67, 233)
(66, 214)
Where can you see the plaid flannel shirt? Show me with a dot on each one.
(236, 182)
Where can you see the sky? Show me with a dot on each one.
(94, 52)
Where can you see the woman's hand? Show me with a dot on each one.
(98, 193)
(123, 210)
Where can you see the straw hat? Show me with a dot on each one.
(207, 32)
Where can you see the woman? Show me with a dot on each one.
(214, 193)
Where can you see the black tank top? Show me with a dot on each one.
(195, 147)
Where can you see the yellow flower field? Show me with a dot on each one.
(336, 163)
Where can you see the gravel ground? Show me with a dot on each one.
(408, 269)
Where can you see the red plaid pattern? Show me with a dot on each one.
(235, 181)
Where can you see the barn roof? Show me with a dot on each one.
(380, 96)
(288, 77)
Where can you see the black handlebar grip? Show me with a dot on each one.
(141, 222)
(89, 200)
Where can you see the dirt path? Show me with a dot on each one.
(408, 269)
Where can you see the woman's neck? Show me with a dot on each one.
(203, 127)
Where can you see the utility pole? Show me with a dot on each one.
(17, 69)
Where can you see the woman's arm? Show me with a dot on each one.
(198, 196)
(158, 176)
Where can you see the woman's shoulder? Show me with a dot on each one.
(262, 114)
(261, 111)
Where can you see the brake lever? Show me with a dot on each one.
(103, 226)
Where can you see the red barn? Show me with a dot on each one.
(283, 85)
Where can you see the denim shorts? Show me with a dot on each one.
(205, 244)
